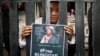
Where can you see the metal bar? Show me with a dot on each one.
(1, 34)
(62, 12)
(42, 0)
(63, 20)
(3, 1)
(90, 30)
(0, 1)
(5, 18)
(30, 0)
(75, 0)
(30, 12)
(45, 13)
(30, 18)
(96, 28)
(37, 0)
(79, 28)
(22, 0)
(13, 39)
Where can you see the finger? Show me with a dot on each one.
(69, 33)
(68, 26)
(27, 34)
(27, 27)
(69, 29)
(27, 31)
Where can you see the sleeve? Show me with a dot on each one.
(22, 42)
(73, 37)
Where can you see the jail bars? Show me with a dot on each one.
(1, 33)
(96, 28)
(14, 27)
(30, 18)
(79, 28)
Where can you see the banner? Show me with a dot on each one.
(47, 40)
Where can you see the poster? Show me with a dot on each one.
(47, 40)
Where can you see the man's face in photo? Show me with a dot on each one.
(48, 31)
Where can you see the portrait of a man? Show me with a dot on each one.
(49, 37)
(48, 34)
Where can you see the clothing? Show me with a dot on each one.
(22, 22)
(6, 28)
(22, 42)
(71, 45)
(71, 49)
(52, 40)
(73, 37)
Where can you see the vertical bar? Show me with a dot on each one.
(4, 1)
(30, 18)
(22, 0)
(90, 30)
(62, 12)
(45, 13)
(79, 28)
(30, 12)
(63, 20)
(13, 39)
(0, 1)
(5, 18)
(1, 34)
(96, 28)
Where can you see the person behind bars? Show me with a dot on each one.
(54, 8)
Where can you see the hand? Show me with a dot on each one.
(26, 31)
(69, 31)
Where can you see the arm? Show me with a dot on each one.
(24, 31)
